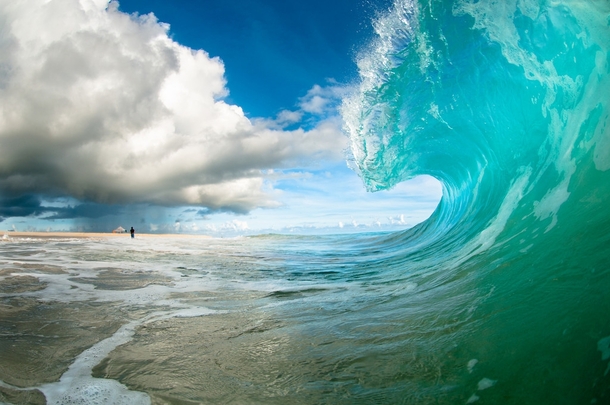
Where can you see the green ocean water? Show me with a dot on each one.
(506, 103)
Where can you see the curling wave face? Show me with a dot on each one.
(506, 104)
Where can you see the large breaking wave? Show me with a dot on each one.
(506, 104)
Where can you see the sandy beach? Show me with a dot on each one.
(92, 235)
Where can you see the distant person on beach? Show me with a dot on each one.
(133, 232)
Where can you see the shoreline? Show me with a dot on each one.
(94, 235)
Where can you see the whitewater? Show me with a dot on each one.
(501, 297)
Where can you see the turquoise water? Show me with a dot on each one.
(501, 297)
(506, 103)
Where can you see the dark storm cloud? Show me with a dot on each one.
(87, 210)
(32, 205)
(22, 206)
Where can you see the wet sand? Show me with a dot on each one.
(91, 235)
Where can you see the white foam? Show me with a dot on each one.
(93, 391)
(471, 364)
(494, 228)
(486, 383)
(603, 345)
(76, 386)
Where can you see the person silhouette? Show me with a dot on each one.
(133, 232)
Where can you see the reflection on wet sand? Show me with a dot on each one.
(41, 339)
(214, 359)
(119, 279)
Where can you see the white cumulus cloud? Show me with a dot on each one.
(319, 100)
(103, 106)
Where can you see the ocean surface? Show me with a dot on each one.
(501, 297)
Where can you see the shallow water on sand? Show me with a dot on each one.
(214, 321)
(277, 319)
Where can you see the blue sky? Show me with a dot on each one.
(187, 116)
(274, 49)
